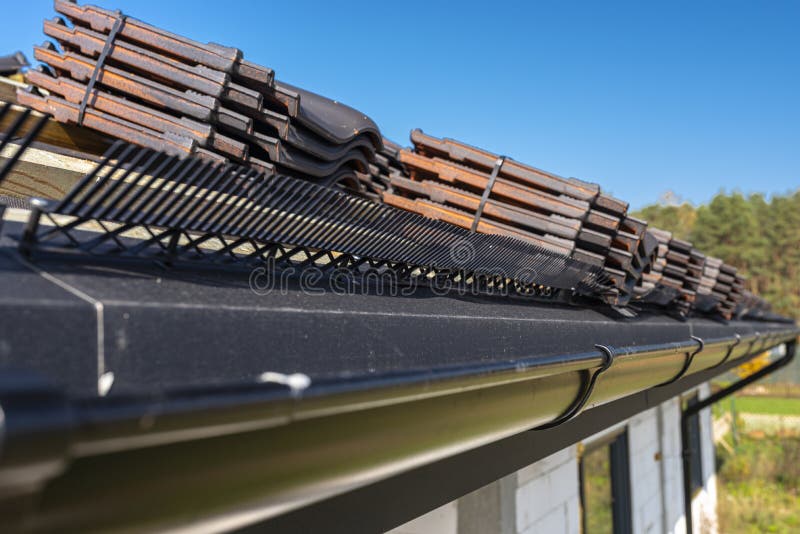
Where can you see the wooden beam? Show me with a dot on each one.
(42, 173)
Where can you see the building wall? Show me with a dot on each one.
(443, 520)
(647, 506)
(548, 495)
(545, 496)
(671, 467)
(704, 505)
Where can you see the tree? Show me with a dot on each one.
(678, 219)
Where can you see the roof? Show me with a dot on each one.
(195, 364)
(145, 360)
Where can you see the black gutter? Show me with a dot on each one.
(420, 490)
(694, 409)
(155, 446)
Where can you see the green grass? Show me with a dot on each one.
(759, 486)
(759, 405)
(597, 491)
(766, 405)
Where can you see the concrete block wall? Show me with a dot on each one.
(644, 448)
(704, 506)
(671, 467)
(443, 520)
(548, 495)
(545, 496)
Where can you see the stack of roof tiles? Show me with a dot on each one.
(709, 294)
(752, 305)
(681, 276)
(387, 165)
(12, 64)
(720, 288)
(376, 181)
(447, 179)
(164, 91)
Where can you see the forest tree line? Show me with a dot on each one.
(758, 236)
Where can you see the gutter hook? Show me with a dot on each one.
(576, 407)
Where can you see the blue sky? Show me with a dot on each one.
(641, 97)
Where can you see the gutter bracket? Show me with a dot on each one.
(757, 337)
(730, 351)
(687, 363)
(584, 395)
